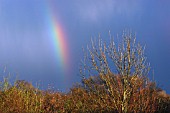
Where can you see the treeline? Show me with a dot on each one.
(92, 97)
(102, 89)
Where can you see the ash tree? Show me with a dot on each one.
(118, 75)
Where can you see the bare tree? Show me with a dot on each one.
(128, 57)
(128, 83)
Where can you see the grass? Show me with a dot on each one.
(22, 97)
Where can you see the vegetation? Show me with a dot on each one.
(114, 79)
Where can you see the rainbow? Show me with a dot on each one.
(57, 34)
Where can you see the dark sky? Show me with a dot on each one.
(28, 52)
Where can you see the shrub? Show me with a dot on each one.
(19, 98)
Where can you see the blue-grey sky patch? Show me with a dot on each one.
(26, 48)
